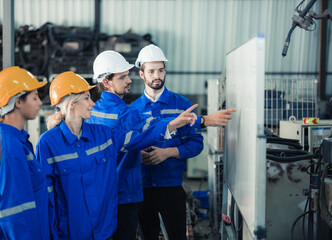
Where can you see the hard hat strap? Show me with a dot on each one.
(10, 105)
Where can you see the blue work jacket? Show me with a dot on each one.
(23, 189)
(82, 173)
(169, 172)
(112, 111)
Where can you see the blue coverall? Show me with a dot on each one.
(169, 172)
(23, 189)
(82, 173)
(162, 183)
(112, 111)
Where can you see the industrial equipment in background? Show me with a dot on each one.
(289, 98)
(305, 21)
(297, 165)
(52, 49)
(286, 181)
(316, 139)
(309, 136)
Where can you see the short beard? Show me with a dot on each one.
(124, 93)
(156, 87)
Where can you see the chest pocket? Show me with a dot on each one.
(34, 166)
(99, 153)
(101, 159)
(65, 164)
(37, 176)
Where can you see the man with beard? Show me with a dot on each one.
(163, 165)
(111, 71)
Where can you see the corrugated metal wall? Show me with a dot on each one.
(194, 34)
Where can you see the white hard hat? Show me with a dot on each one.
(150, 53)
(109, 62)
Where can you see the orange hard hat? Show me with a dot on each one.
(15, 80)
(65, 84)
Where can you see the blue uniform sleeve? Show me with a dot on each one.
(187, 130)
(135, 141)
(131, 119)
(41, 155)
(18, 214)
(191, 147)
(191, 138)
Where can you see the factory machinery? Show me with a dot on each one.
(52, 49)
(298, 183)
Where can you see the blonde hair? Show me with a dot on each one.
(62, 110)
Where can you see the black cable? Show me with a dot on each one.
(292, 154)
(315, 26)
(297, 7)
(284, 141)
(287, 41)
(288, 159)
(312, 164)
(285, 152)
(303, 221)
(294, 223)
(279, 139)
(320, 157)
(306, 8)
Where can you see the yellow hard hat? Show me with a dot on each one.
(65, 84)
(15, 80)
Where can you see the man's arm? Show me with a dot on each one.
(155, 155)
(219, 118)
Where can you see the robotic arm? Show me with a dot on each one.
(304, 21)
(327, 14)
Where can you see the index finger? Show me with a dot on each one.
(232, 109)
(191, 108)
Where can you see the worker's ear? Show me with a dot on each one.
(18, 103)
(107, 83)
(141, 74)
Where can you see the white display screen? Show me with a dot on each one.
(245, 163)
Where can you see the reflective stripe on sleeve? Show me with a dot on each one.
(147, 124)
(127, 140)
(17, 209)
(104, 115)
(171, 111)
(99, 148)
(30, 157)
(62, 158)
(150, 113)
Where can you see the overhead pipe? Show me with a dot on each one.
(97, 16)
(8, 57)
